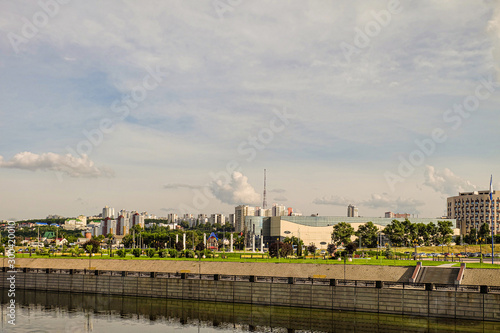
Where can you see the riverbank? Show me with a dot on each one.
(489, 277)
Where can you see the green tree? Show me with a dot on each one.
(389, 253)
(311, 248)
(471, 237)
(445, 232)
(94, 246)
(342, 233)
(286, 250)
(331, 248)
(432, 231)
(368, 234)
(423, 234)
(484, 231)
(351, 247)
(121, 253)
(395, 231)
(179, 246)
(200, 246)
(274, 248)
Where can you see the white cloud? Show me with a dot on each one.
(77, 167)
(176, 186)
(237, 191)
(446, 182)
(376, 201)
(333, 200)
(280, 198)
(399, 205)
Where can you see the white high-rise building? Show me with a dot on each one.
(239, 216)
(279, 210)
(352, 211)
(217, 218)
(108, 212)
(472, 209)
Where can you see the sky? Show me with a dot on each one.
(179, 106)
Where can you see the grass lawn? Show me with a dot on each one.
(235, 257)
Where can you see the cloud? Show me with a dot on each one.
(238, 191)
(77, 167)
(168, 209)
(280, 198)
(333, 200)
(178, 186)
(399, 205)
(277, 190)
(375, 201)
(446, 182)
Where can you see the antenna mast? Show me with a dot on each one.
(264, 202)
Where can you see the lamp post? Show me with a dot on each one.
(415, 242)
(278, 247)
(480, 250)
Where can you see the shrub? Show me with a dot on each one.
(121, 253)
(311, 248)
(331, 248)
(351, 247)
(96, 246)
(162, 253)
(389, 253)
(136, 252)
(273, 249)
(200, 246)
(173, 253)
(150, 253)
(188, 254)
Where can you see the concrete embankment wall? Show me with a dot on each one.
(481, 303)
(352, 272)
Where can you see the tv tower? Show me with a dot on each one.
(264, 201)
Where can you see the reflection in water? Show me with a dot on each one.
(64, 312)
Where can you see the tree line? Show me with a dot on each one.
(399, 233)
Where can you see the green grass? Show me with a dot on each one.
(483, 265)
(235, 257)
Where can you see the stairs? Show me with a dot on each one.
(437, 275)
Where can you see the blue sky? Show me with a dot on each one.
(190, 87)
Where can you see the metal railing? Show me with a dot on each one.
(267, 279)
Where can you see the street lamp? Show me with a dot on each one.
(480, 249)
(415, 242)
(278, 247)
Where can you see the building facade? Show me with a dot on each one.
(239, 216)
(397, 215)
(472, 209)
(315, 229)
(352, 211)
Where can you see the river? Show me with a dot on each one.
(64, 312)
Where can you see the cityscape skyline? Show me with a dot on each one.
(179, 107)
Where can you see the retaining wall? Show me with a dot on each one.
(466, 302)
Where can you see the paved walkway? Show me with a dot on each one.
(445, 265)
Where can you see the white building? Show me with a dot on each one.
(279, 210)
(217, 218)
(352, 211)
(108, 212)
